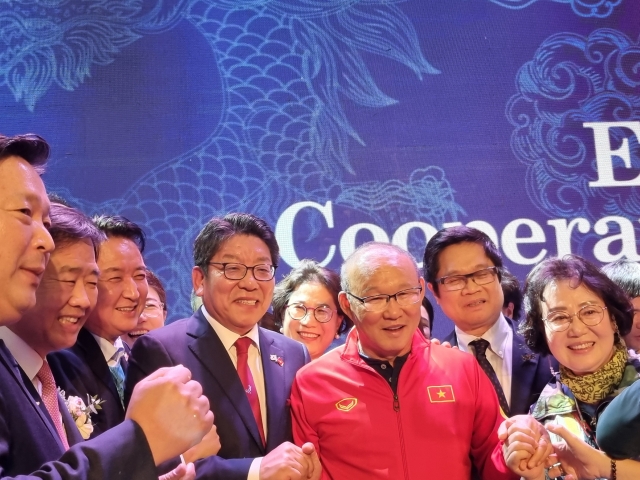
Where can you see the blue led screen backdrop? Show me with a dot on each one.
(337, 121)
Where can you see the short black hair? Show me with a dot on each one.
(512, 292)
(453, 236)
(580, 272)
(426, 303)
(121, 227)
(68, 225)
(309, 271)
(625, 274)
(219, 229)
(155, 283)
(31, 147)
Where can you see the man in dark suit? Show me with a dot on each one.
(246, 371)
(167, 414)
(96, 364)
(463, 269)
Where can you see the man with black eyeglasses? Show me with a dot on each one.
(245, 371)
(389, 404)
(463, 269)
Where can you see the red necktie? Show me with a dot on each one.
(50, 399)
(242, 350)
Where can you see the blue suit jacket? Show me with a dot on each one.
(29, 441)
(193, 343)
(82, 370)
(530, 372)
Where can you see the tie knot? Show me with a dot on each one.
(480, 345)
(242, 345)
(45, 375)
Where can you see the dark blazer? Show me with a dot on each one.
(29, 441)
(193, 343)
(618, 429)
(82, 370)
(530, 372)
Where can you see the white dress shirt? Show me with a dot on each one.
(112, 352)
(500, 338)
(228, 339)
(28, 359)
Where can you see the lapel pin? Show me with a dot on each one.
(277, 359)
(528, 357)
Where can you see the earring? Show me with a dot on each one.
(281, 329)
(337, 336)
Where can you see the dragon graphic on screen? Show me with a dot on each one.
(574, 80)
(287, 67)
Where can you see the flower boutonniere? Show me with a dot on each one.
(81, 413)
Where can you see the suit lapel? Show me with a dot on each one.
(29, 392)
(523, 369)
(209, 350)
(274, 385)
(96, 362)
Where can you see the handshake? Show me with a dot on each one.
(176, 418)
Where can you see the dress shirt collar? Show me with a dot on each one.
(112, 352)
(227, 337)
(27, 357)
(498, 337)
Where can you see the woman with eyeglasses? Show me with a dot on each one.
(577, 314)
(155, 310)
(305, 306)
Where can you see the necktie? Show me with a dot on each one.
(118, 377)
(50, 399)
(480, 347)
(242, 350)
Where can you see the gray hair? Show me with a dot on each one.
(347, 269)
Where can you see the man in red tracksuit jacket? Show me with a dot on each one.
(389, 404)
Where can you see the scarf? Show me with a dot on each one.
(593, 387)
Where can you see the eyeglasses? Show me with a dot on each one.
(458, 282)
(151, 307)
(590, 315)
(237, 271)
(298, 311)
(377, 303)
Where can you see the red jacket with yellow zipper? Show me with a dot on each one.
(442, 423)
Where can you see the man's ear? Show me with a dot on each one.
(508, 310)
(433, 292)
(197, 279)
(343, 300)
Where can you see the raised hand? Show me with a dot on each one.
(288, 462)
(171, 410)
(210, 445)
(527, 446)
(579, 460)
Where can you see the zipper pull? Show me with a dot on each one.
(396, 403)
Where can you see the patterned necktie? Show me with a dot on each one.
(480, 346)
(242, 350)
(50, 399)
(118, 377)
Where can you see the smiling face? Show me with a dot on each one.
(67, 294)
(315, 335)
(122, 289)
(26, 244)
(633, 338)
(236, 304)
(580, 348)
(387, 334)
(153, 316)
(475, 308)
